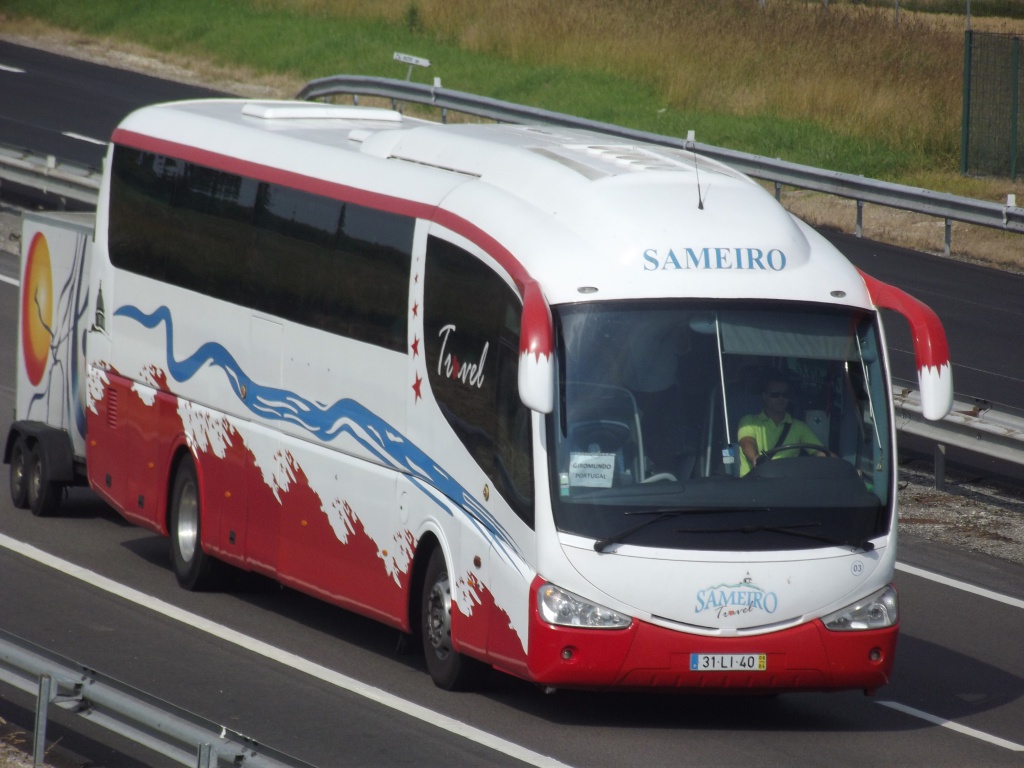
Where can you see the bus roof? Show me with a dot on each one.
(588, 216)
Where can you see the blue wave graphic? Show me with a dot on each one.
(326, 422)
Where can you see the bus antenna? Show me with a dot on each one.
(689, 142)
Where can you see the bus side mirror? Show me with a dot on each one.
(931, 350)
(536, 382)
(536, 351)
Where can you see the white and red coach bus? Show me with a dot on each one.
(483, 383)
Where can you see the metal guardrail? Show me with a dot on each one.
(168, 730)
(49, 174)
(81, 183)
(968, 427)
(946, 206)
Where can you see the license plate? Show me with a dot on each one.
(728, 662)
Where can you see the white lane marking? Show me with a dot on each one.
(15, 70)
(80, 137)
(1006, 599)
(10, 280)
(972, 732)
(281, 656)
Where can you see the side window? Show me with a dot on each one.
(315, 260)
(290, 257)
(213, 217)
(142, 230)
(369, 279)
(471, 328)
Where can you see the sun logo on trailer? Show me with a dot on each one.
(37, 309)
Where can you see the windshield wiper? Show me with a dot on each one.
(659, 514)
(793, 530)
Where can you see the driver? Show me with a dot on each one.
(773, 427)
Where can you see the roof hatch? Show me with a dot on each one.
(310, 111)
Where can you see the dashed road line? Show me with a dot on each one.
(962, 585)
(953, 726)
(80, 137)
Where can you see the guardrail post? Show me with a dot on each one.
(949, 236)
(203, 759)
(39, 735)
(778, 191)
(860, 217)
(940, 467)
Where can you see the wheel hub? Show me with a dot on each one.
(188, 522)
(439, 617)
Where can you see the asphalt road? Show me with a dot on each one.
(68, 107)
(981, 308)
(288, 670)
(334, 689)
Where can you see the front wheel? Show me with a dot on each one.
(448, 668)
(194, 569)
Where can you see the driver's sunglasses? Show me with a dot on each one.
(778, 394)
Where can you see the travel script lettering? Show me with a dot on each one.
(772, 260)
(448, 365)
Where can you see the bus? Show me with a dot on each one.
(488, 384)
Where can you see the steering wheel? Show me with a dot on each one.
(770, 453)
(609, 436)
(659, 476)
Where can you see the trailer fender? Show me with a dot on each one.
(55, 444)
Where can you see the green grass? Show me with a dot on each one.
(844, 90)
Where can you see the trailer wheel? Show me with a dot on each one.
(19, 473)
(448, 668)
(194, 569)
(42, 494)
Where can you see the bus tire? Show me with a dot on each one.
(43, 495)
(19, 473)
(449, 669)
(195, 570)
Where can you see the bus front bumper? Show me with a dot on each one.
(646, 656)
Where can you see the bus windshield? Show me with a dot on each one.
(734, 427)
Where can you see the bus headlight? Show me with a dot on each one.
(876, 611)
(563, 608)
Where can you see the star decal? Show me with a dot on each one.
(416, 387)
(416, 346)
(415, 309)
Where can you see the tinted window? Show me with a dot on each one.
(471, 328)
(142, 231)
(311, 259)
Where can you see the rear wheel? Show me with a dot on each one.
(19, 473)
(448, 668)
(194, 569)
(42, 494)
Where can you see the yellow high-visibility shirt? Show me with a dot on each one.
(766, 435)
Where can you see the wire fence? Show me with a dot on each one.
(993, 142)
